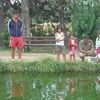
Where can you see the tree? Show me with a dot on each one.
(48, 10)
(25, 17)
(83, 17)
(3, 10)
(2, 14)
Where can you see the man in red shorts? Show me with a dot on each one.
(15, 32)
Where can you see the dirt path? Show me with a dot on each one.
(5, 56)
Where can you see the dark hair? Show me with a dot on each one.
(98, 33)
(86, 37)
(59, 27)
(16, 12)
(71, 34)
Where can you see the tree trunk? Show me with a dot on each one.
(61, 14)
(25, 18)
(2, 21)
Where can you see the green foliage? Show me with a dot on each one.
(39, 31)
(5, 37)
(82, 17)
(85, 17)
(44, 10)
(48, 65)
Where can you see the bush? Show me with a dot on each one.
(5, 38)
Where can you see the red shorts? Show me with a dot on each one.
(16, 41)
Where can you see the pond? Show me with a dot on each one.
(69, 86)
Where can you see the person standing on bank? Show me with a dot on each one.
(97, 45)
(72, 44)
(15, 31)
(60, 48)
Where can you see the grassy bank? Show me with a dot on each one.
(49, 65)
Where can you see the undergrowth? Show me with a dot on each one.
(49, 65)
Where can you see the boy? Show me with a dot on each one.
(15, 32)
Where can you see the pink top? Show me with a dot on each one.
(72, 44)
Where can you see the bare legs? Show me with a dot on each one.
(13, 53)
(60, 50)
(83, 55)
(19, 53)
(72, 57)
(58, 56)
(64, 56)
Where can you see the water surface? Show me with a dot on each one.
(69, 86)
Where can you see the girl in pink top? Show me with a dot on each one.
(72, 47)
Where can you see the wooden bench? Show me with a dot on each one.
(43, 41)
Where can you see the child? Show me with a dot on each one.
(60, 49)
(98, 47)
(72, 47)
(15, 32)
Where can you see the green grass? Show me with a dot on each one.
(49, 65)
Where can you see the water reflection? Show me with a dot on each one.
(48, 92)
(53, 89)
(97, 84)
(36, 84)
(17, 88)
(58, 89)
(9, 88)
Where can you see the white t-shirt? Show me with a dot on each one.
(97, 42)
(60, 37)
